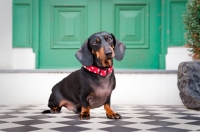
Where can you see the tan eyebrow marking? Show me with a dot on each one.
(98, 40)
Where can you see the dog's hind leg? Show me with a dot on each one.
(54, 108)
(54, 104)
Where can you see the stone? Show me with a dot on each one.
(189, 83)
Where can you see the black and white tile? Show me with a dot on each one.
(25, 118)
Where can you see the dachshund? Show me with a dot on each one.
(92, 85)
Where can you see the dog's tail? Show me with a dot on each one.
(46, 112)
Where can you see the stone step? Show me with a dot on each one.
(139, 87)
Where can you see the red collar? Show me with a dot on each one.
(99, 71)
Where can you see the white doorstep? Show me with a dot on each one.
(132, 87)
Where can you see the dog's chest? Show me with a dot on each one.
(99, 95)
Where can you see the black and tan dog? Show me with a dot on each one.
(92, 85)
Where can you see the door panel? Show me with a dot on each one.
(136, 24)
(64, 28)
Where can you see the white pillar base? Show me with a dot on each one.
(176, 55)
(22, 58)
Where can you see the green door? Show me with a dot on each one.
(66, 24)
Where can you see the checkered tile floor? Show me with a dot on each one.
(25, 118)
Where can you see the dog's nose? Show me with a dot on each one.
(109, 53)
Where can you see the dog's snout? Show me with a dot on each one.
(108, 53)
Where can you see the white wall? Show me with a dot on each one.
(134, 88)
(5, 33)
(5, 24)
(19, 58)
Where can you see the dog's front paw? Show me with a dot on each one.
(84, 115)
(113, 115)
(110, 113)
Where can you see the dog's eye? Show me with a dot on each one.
(95, 42)
(109, 39)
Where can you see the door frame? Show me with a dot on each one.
(101, 1)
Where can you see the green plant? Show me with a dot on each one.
(191, 19)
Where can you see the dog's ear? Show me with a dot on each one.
(119, 48)
(84, 55)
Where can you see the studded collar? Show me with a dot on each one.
(96, 70)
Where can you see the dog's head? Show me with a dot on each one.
(100, 47)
